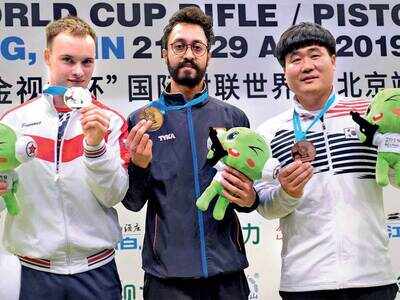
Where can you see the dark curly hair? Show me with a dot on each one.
(303, 35)
(190, 15)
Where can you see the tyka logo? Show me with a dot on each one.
(166, 137)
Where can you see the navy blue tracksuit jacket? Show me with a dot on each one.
(181, 241)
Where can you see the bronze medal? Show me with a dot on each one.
(154, 115)
(303, 150)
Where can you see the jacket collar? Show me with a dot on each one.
(308, 114)
(175, 99)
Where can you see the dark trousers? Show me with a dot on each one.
(385, 292)
(231, 286)
(102, 283)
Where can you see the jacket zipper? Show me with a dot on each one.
(58, 165)
(238, 228)
(156, 225)
(338, 238)
(197, 192)
(328, 153)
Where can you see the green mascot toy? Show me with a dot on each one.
(382, 129)
(240, 148)
(14, 150)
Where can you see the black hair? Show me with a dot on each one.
(302, 35)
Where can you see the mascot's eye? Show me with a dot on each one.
(368, 110)
(393, 98)
(256, 149)
(232, 135)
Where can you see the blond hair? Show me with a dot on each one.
(71, 25)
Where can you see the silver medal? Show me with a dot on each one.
(77, 97)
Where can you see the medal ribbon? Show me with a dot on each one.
(56, 90)
(298, 132)
(160, 103)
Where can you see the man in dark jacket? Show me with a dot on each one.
(186, 253)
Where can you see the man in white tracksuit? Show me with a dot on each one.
(335, 241)
(67, 229)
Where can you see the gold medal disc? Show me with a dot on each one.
(154, 115)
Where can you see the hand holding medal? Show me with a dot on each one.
(139, 144)
(152, 119)
(95, 123)
(153, 114)
(295, 176)
(302, 149)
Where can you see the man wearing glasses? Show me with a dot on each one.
(186, 253)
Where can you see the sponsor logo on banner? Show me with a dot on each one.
(132, 237)
(131, 291)
(279, 235)
(251, 234)
(393, 225)
(253, 281)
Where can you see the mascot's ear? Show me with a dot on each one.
(216, 151)
(210, 153)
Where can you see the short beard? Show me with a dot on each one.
(186, 81)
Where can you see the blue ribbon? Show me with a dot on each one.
(56, 90)
(298, 132)
(160, 103)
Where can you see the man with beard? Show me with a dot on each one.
(186, 253)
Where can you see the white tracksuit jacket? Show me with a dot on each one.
(67, 224)
(335, 235)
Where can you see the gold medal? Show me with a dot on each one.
(303, 150)
(154, 115)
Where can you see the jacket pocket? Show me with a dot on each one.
(238, 238)
(156, 237)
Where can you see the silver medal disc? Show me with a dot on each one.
(77, 97)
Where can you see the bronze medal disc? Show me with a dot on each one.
(154, 115)
(303, 150)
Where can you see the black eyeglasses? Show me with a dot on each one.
(180, 48)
